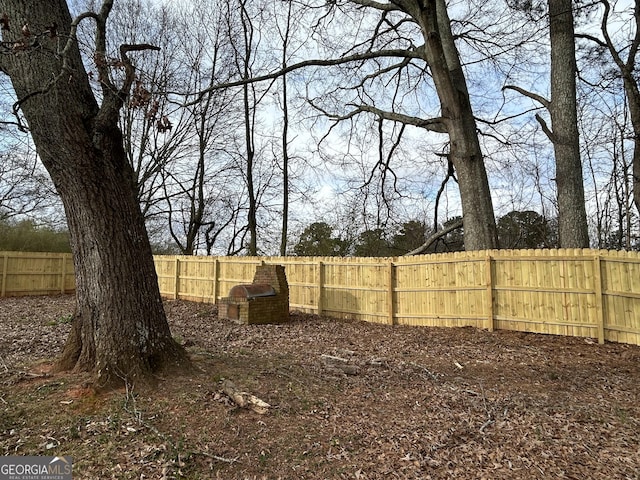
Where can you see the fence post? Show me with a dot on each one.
(5, 264)
(215, 280)
(176, 290)
(597, 272)
(320, 286)
(63, 259)
(392, 319)
(489, 266)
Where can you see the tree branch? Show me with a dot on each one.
(534, 96)
(385, 7)
(129, 70)
(437, 124)
(591, 38)
(401, 53)
(62, 53)
(546, 129)
(435, 236)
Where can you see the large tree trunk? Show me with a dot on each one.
(465, 153)
(633, 100)
(636, 171)
(572, 217)
(120, 331)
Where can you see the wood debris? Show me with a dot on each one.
(340, 364)
(244, 399)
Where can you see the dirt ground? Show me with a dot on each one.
(348, 400)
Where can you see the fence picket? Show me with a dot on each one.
(568, 292)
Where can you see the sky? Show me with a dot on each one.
(327, 187)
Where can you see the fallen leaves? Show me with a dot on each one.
(345, 400)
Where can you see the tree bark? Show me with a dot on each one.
(633, 100)
(120, 331)
(572, 217)
(636, 166)
(457, 115)
(627, 69)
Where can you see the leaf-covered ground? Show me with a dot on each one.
(348, 400)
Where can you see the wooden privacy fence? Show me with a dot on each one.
(590, 293)
(28, 273)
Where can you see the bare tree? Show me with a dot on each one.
(395, 26)
(390, 55)
(120, 330)
(624, 54)
(285, 33)
(244, 60)
(25, 189)
(563, 132)
(608, 158)
(197, 198)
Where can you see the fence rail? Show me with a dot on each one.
(588, 293)
(28, 273)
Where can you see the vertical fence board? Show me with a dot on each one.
(320, 287)
(176, 278)
(489, 299)
(597, 269)
(566, 292)
(5, 263)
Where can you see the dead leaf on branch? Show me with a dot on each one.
(164, 124)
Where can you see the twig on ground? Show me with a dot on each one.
(338, 363)
(130, 399)
(4, 365)
(490, 419)
(433, 376)
(217, 457)
(334, 359)
(48, 385)
(486, 424)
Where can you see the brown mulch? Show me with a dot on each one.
(347, 400)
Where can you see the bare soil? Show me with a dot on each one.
(348, 400)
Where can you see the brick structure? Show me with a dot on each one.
(266, 300)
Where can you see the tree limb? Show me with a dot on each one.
(437, 124)
(534, 96)
(385, 7)
(416, 52)
(545, 128)
(591, 38)
(65, 69)
(435, 236)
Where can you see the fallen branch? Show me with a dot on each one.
(486, 424)
(435, 236)
(340, 363)
(331, 358)
(490, 419)
(217, 457)
(244, 399)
